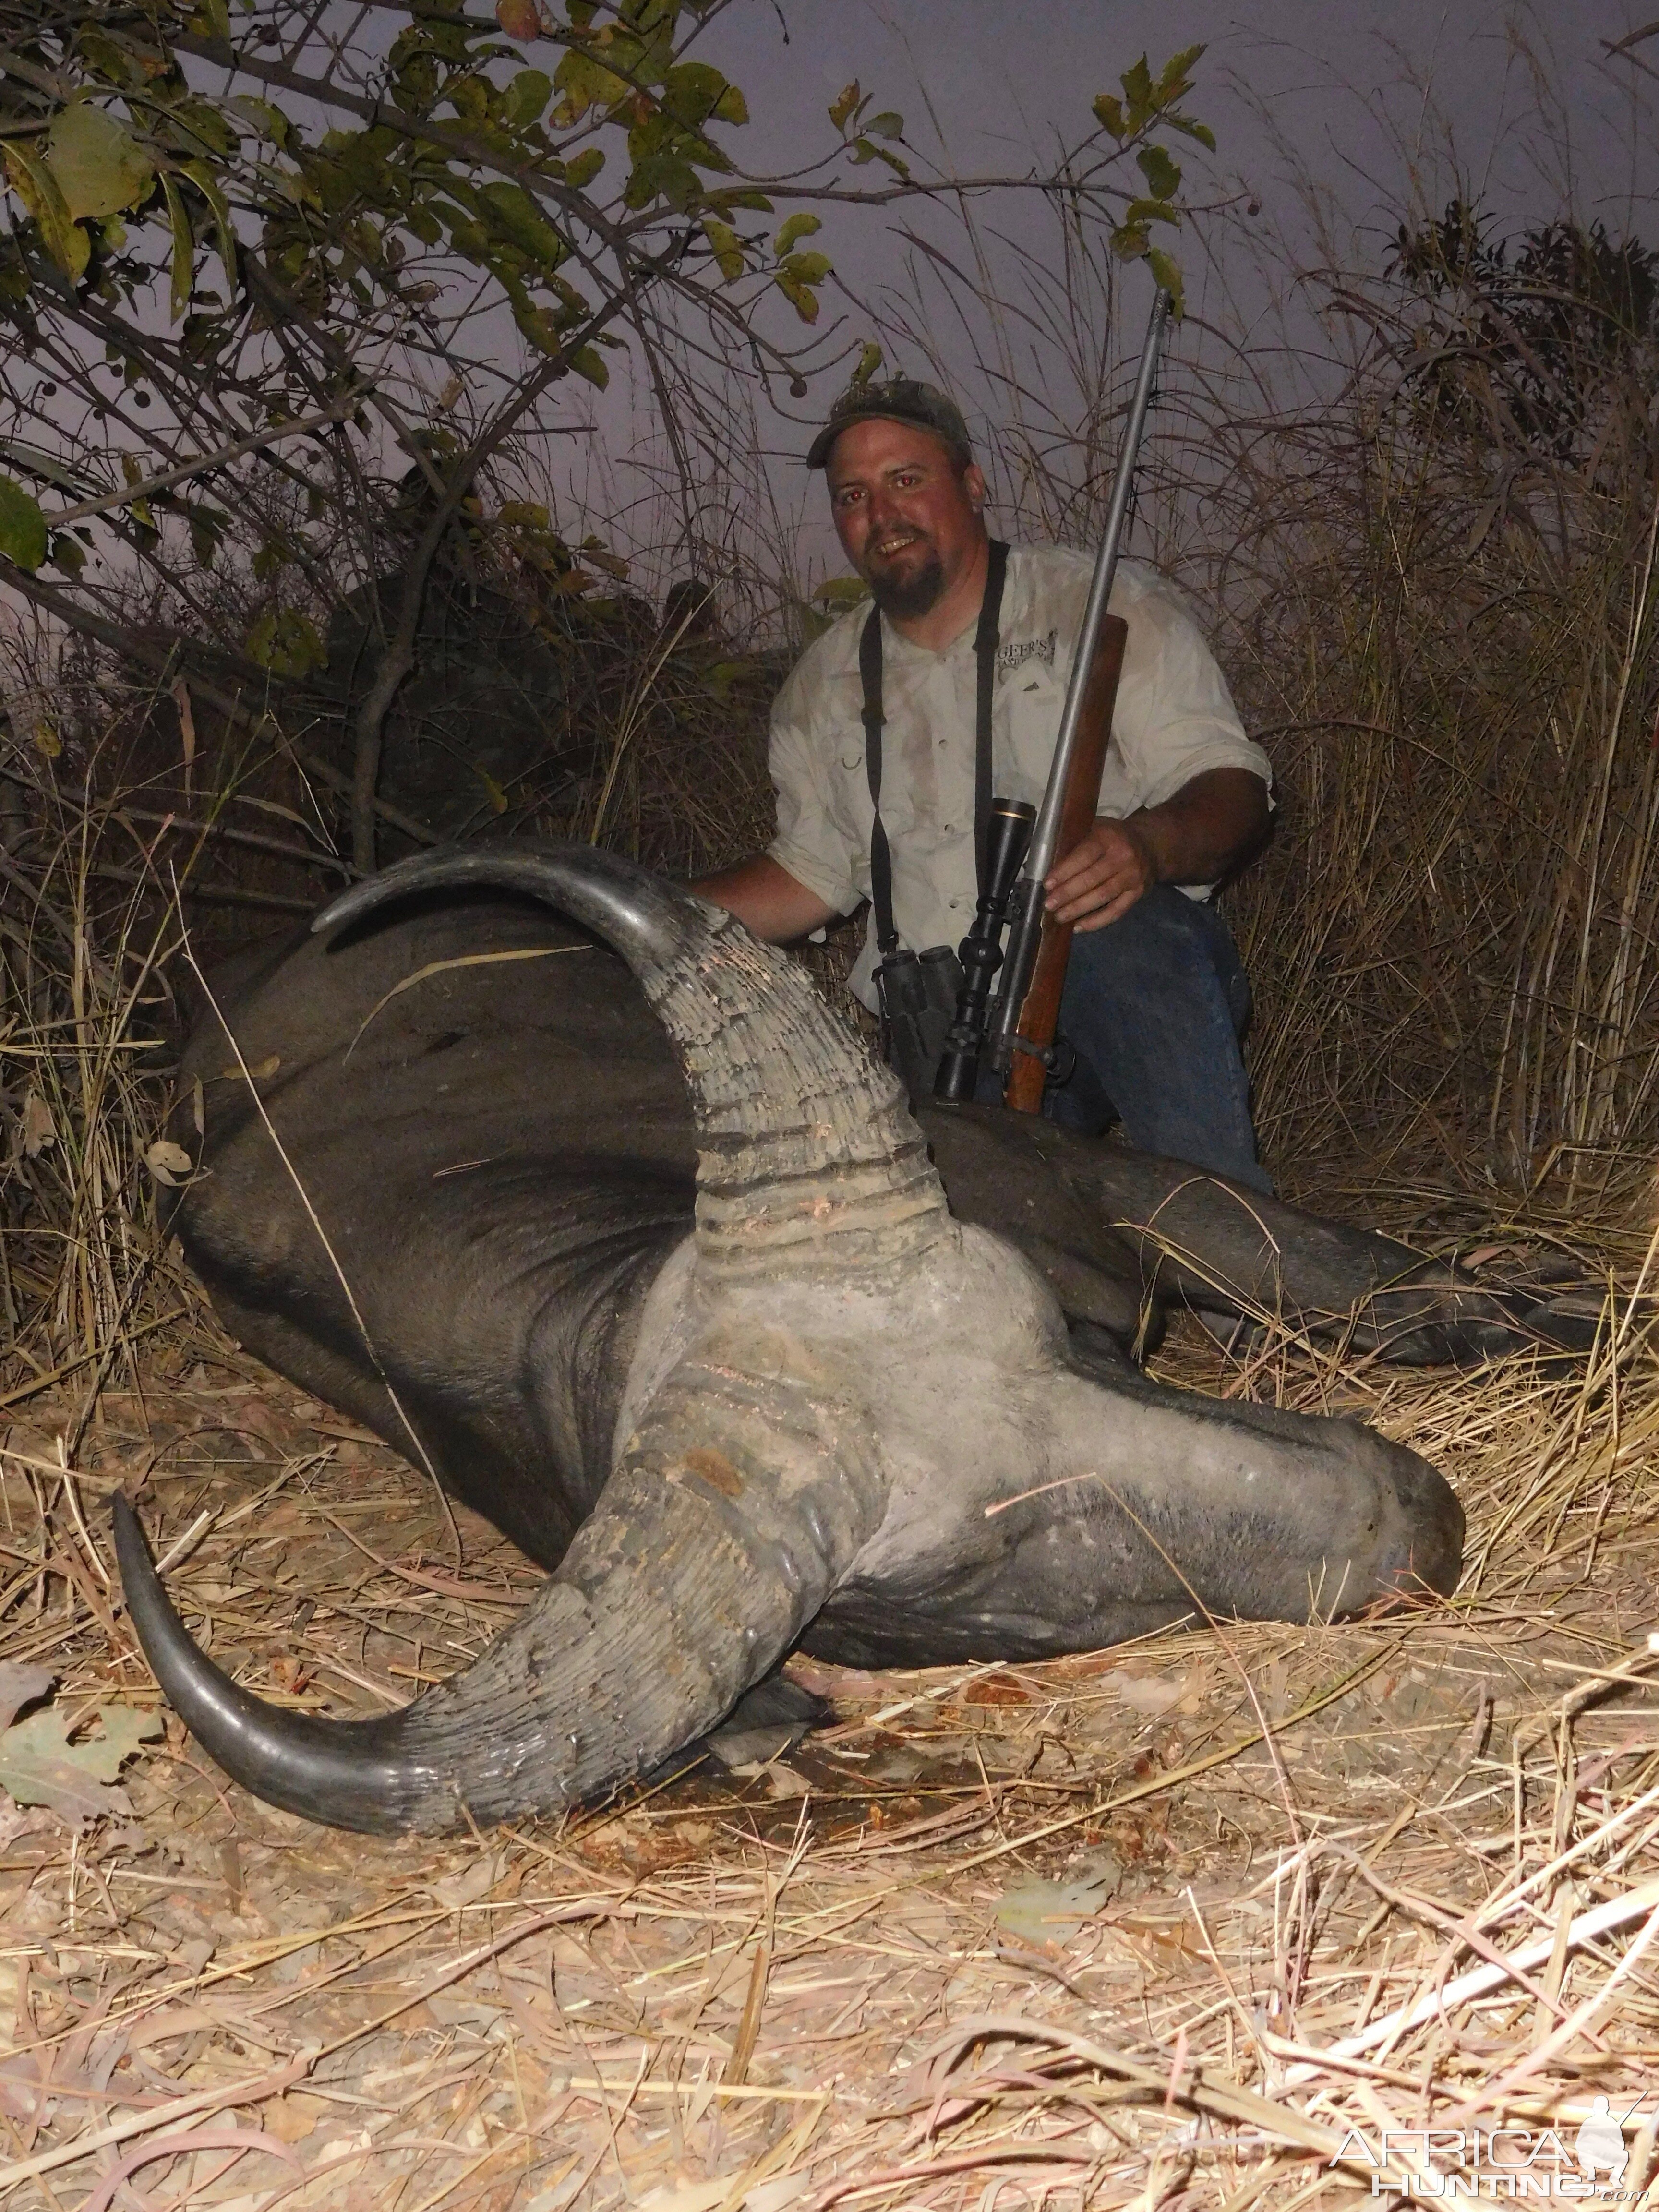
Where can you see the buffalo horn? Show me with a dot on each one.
(718, 1535)
(807, 1152)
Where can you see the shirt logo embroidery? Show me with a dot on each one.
(1011, 657)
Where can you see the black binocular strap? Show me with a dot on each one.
(986, 638)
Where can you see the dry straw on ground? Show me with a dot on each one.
(1190, 1920)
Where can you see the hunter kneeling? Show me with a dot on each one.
(1155, 999)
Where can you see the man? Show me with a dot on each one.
(1155, 997)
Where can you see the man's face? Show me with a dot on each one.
(908, 522)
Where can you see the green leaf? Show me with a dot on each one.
(285, 641)
(798, 226)
(691, 93)
(108, 58)
(805, 302)
(845, 105)
(586, 83)
(727, 247)
(580, 174)
(22, 526)
(184, 248)
(1136, 83)
(807, 268)
(39, 189)
(526, 99)
(731, 106)
(663, 176)
(196, 127)
(515, 215)
(207, 185)
(870, 360)
(207, 526)
(1108, 113)
(1201, 131)
(884, 126)
(840, 592)
(1167, 271)
(1139, 211)
(98, 166)
(1161, 174)
(262, 119)
(588, 362)
(1174, 80)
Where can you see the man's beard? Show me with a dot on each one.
(907, 597)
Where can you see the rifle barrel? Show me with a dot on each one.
(1040, 854)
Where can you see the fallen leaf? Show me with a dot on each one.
(471, 1883)
(1054, 1911)
(40, 1130)
(773, 2196)
(782, 1779)
(293, 2117)
(21, 1686)
(14, 1822)
(39, 1765)
(1149, 1694)
(687, 2196)
(168, 1163)
(124, 1728)
(996, 1690)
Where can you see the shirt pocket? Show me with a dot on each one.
(1031, 702)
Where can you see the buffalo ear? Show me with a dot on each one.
(809, 1161)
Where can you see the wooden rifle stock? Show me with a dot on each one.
(1039, 1013)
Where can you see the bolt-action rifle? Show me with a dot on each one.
(1011, 1029)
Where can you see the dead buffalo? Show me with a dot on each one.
(707, 1340)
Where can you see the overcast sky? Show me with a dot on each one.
(1372, 102)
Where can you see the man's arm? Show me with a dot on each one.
(1204, 831)
(767, 899)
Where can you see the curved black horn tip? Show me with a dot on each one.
(637, 914)
(416, 872)
(148, 1606)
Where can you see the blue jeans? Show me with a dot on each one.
(1155, 1005)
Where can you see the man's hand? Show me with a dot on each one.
(1205, 831)
(1102, 875)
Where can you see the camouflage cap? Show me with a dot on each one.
(895, 399)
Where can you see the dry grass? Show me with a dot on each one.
(1086, 1934)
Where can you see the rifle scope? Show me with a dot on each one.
(1006, 838)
